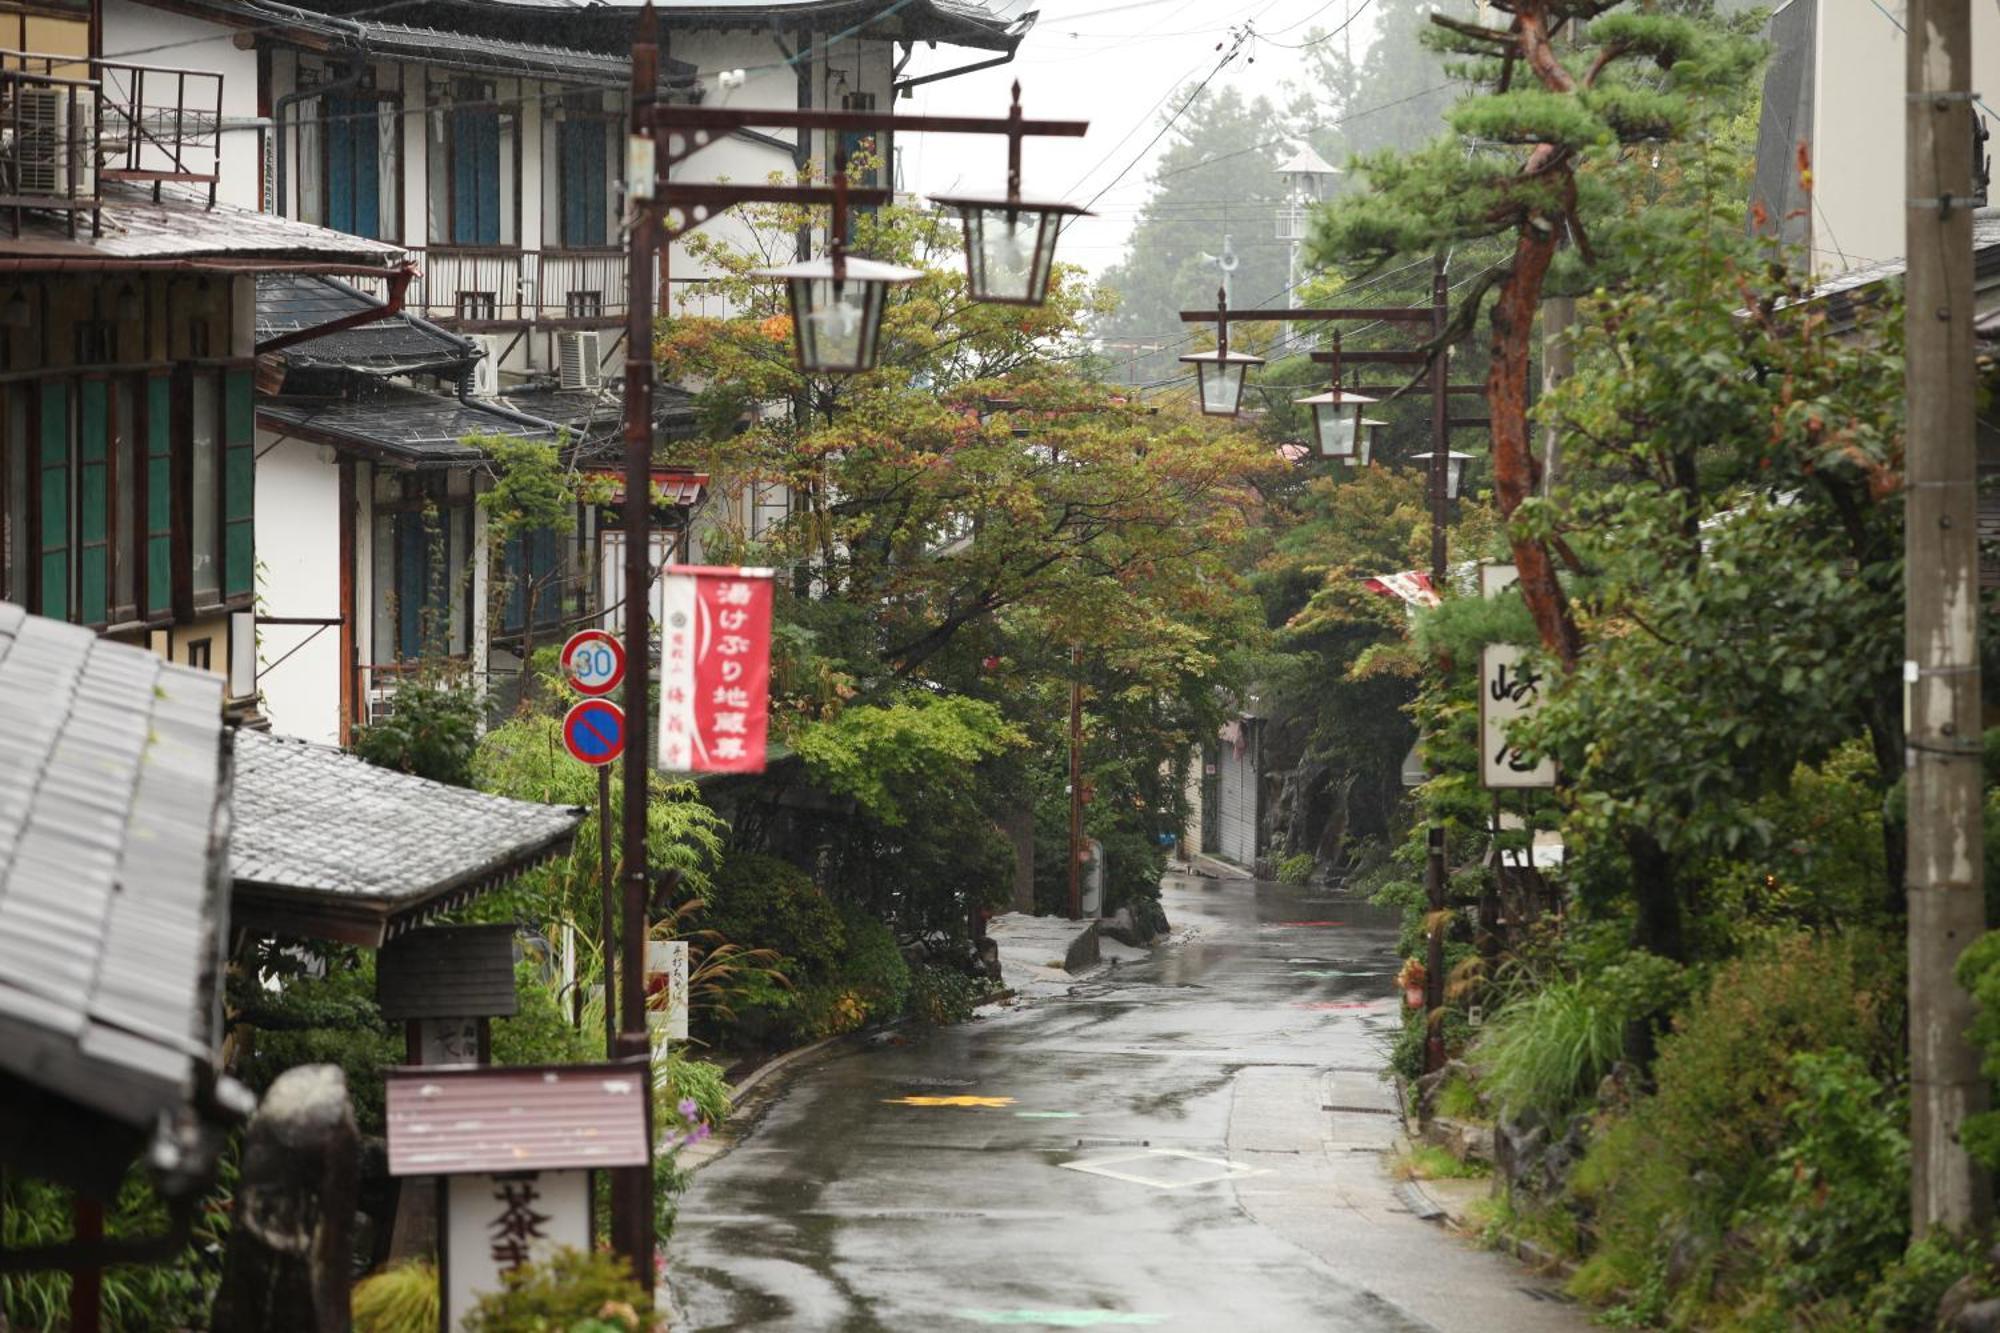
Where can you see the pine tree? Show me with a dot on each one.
(1573, 92)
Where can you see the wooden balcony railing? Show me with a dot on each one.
(470, 288)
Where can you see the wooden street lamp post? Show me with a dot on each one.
(837, 305)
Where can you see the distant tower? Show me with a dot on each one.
(1308, 180)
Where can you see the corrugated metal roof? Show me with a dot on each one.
(398, 345)
(448, 972)
(402, 427)
(112, 824)
(454, 1121)
(327, 846)
(183, 226)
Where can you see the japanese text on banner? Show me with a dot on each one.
(715, 669)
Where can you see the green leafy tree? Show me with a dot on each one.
(1579, 94)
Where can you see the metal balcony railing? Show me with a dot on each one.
(67, 125)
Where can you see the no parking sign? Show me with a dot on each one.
(594, 731)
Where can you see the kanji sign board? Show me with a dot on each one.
(1509, 688)
(715, 669)
(495, 1223)
(667, 988)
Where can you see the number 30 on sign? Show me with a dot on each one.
(594, 662)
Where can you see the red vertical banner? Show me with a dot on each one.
(715, 669)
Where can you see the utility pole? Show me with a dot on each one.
(1942, 752)
(632, 1187)
(1435, 895)
(1075, 782)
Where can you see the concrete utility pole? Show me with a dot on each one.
(1941, 546)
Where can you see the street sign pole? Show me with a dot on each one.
(607, 896)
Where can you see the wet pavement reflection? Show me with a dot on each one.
(1152, 1149)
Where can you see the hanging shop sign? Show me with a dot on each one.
(1510, 687)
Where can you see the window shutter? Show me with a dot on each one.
(159, 496)
(93, 529)
(55, 500)
(239, 485)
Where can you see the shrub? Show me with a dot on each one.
(874, 967)
(1546, 1049)
(941, 995)
(400, 1299)
(761, 902)
(431, 730)
(1842, 1182)
(573, 1291)
(1911, 1288)
(539, 1032)
(698, 1081)
(328, 1019)
(1692, 1164)
(1296, 869)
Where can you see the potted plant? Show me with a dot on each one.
(1412, 979)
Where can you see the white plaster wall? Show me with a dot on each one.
(298, 549)
(1859, 126)
(155, 37)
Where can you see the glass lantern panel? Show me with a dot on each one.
(1454, 473)
(1221, 387)
(837, 324)
(1009, 254)
(1334, 424)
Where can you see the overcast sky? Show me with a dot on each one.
(1114, 63)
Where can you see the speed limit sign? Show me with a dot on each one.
(594, 661)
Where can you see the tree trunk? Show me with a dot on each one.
(1515, 471)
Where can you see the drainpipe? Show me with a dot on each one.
(521, 418)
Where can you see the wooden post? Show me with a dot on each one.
(1076, 778)
(1942, 754)
(632, 1187)
(1436, 895)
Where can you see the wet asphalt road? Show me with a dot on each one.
(1222, 1100)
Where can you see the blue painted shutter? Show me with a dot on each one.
(353, 166)
(475, 176)
(340, 164)
(582, 146)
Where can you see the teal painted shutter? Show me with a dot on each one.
(582, 148)
(159, 496)
(55, 501)
(93, 529)
(239, 486)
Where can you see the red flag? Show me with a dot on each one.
(715, 669)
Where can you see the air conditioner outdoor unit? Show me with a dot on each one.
(486, 370)
(42, 154)
(577, 358)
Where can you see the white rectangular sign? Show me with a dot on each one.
(1508, 689)
(494, 1224)
(667, 970)
(1496, 579)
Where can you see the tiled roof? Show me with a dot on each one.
(451, 1121)
(113, 819)
(182, 226)
(398, 345)
(331, 847)
(403, 427)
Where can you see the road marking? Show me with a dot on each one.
(1047, 1115)
(1335, 972)
(1061, 1318)
(1337, 1004)
(948, 1101)
(1308, 923)
(1225, 1170)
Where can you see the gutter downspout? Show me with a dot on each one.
(399, 283)
(1017, 34)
